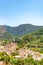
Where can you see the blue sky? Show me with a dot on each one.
(16, 12)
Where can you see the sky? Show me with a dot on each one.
(16, 12)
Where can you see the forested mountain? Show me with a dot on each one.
(8, 31)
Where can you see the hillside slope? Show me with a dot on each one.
(22, 29)
(7, 32)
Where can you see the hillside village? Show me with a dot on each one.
(22, 52)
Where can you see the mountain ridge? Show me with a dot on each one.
(18, 30)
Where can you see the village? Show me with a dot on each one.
(22, 52)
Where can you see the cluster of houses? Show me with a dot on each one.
(22, 52)
(8, 48)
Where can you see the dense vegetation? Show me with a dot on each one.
(32, 40)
